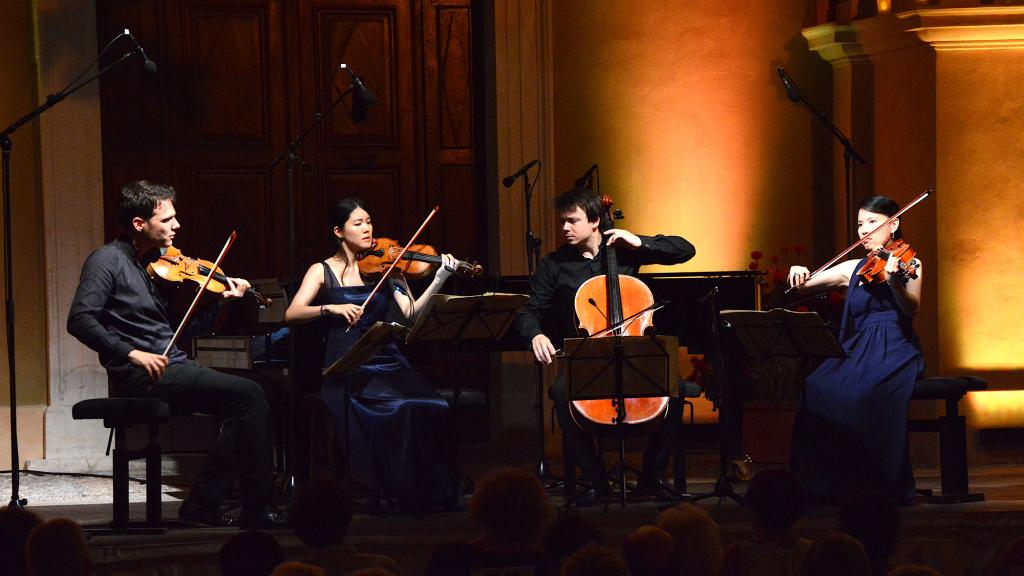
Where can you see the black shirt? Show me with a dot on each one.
(553, 286)
(117, 308)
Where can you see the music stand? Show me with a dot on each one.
(766, 334)
(618, 367)
(484, 317)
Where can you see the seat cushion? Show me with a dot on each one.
(944, 388)
(117, 412)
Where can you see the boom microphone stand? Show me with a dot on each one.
(6, 144)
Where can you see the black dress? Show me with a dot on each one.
(400, 434)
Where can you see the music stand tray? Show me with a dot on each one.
(780, 332)
(484, 317)
(619, 367)
(376, 336)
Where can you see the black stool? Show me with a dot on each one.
(952, 430)
(119, 414)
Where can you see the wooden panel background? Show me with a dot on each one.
(239, 79)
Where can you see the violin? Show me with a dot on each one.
(417, 262)
(873, 271)
(174, 266)
(614, 305)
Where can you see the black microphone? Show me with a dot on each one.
(362, 92)
(582, 180)
(148, 64)
(510, 180)
(791, 91)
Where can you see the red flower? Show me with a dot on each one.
(756, 254)
(753, 265)
(775, 259)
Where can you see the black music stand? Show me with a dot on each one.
(615, 368)
(480, 318)
(770, 334)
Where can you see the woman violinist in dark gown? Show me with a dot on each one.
(400, 434)
(852, 429)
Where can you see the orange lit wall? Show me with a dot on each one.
(681, 107)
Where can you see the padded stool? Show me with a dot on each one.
(119, 414)
(952, 430)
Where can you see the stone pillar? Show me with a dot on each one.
(72, 185)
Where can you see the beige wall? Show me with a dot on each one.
(682, 108)
(18, 95)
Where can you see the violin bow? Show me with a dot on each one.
(397, 260)
(192, 307)
(836, 258)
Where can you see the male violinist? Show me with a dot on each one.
(548, 318)
(119, 312)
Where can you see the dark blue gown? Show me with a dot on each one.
(853, 426)
(401, 439)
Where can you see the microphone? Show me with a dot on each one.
(148, 64)
(791, 91)
(510, 180)
(587, 176)
(362, 92)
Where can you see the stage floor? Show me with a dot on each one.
(955, 539)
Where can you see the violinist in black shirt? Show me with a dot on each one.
(548, 318)
(119, 312)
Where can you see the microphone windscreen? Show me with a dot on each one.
(508, 181)
(150, 66)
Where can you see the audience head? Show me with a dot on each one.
(298, 569)
(648, 551)
(58, 548)
(777, 499)
(694, 537)
(873, 519)
(15, 525)
(913, 570)
(567, 534)
(594, 561)
(251, 553)
(835, 554)
(321, 511)
(511, 506)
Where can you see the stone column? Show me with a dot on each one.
(72, 195)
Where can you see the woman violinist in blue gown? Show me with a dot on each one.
(400, 436)
(852, 429)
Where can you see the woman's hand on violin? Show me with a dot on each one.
(798, 275)
(543, 349)
(892, 270)
(620, 237)
(236, 288)
(350, 312)
(153, 364)
(447, 268)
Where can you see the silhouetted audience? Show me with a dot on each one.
(251, 553)
(57, 548)
(321, 514)
(512, 508)
(648, 551)
(694, 538)
(567, 534)
(914, 570)
(594, 561)
(777, 500)
(298, 569)
(874, 520)
(835, 554)
(15, 525)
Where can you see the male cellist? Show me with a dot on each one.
(118, 312)
(548, 318)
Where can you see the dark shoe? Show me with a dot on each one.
(656, 487)
(197, 515)
(265, 518)
(592, 494)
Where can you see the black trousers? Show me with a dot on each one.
(242, 448)
(656, 453)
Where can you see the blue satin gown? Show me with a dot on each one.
(853, 426)
(401, 438)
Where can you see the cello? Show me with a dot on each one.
(614, 305)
